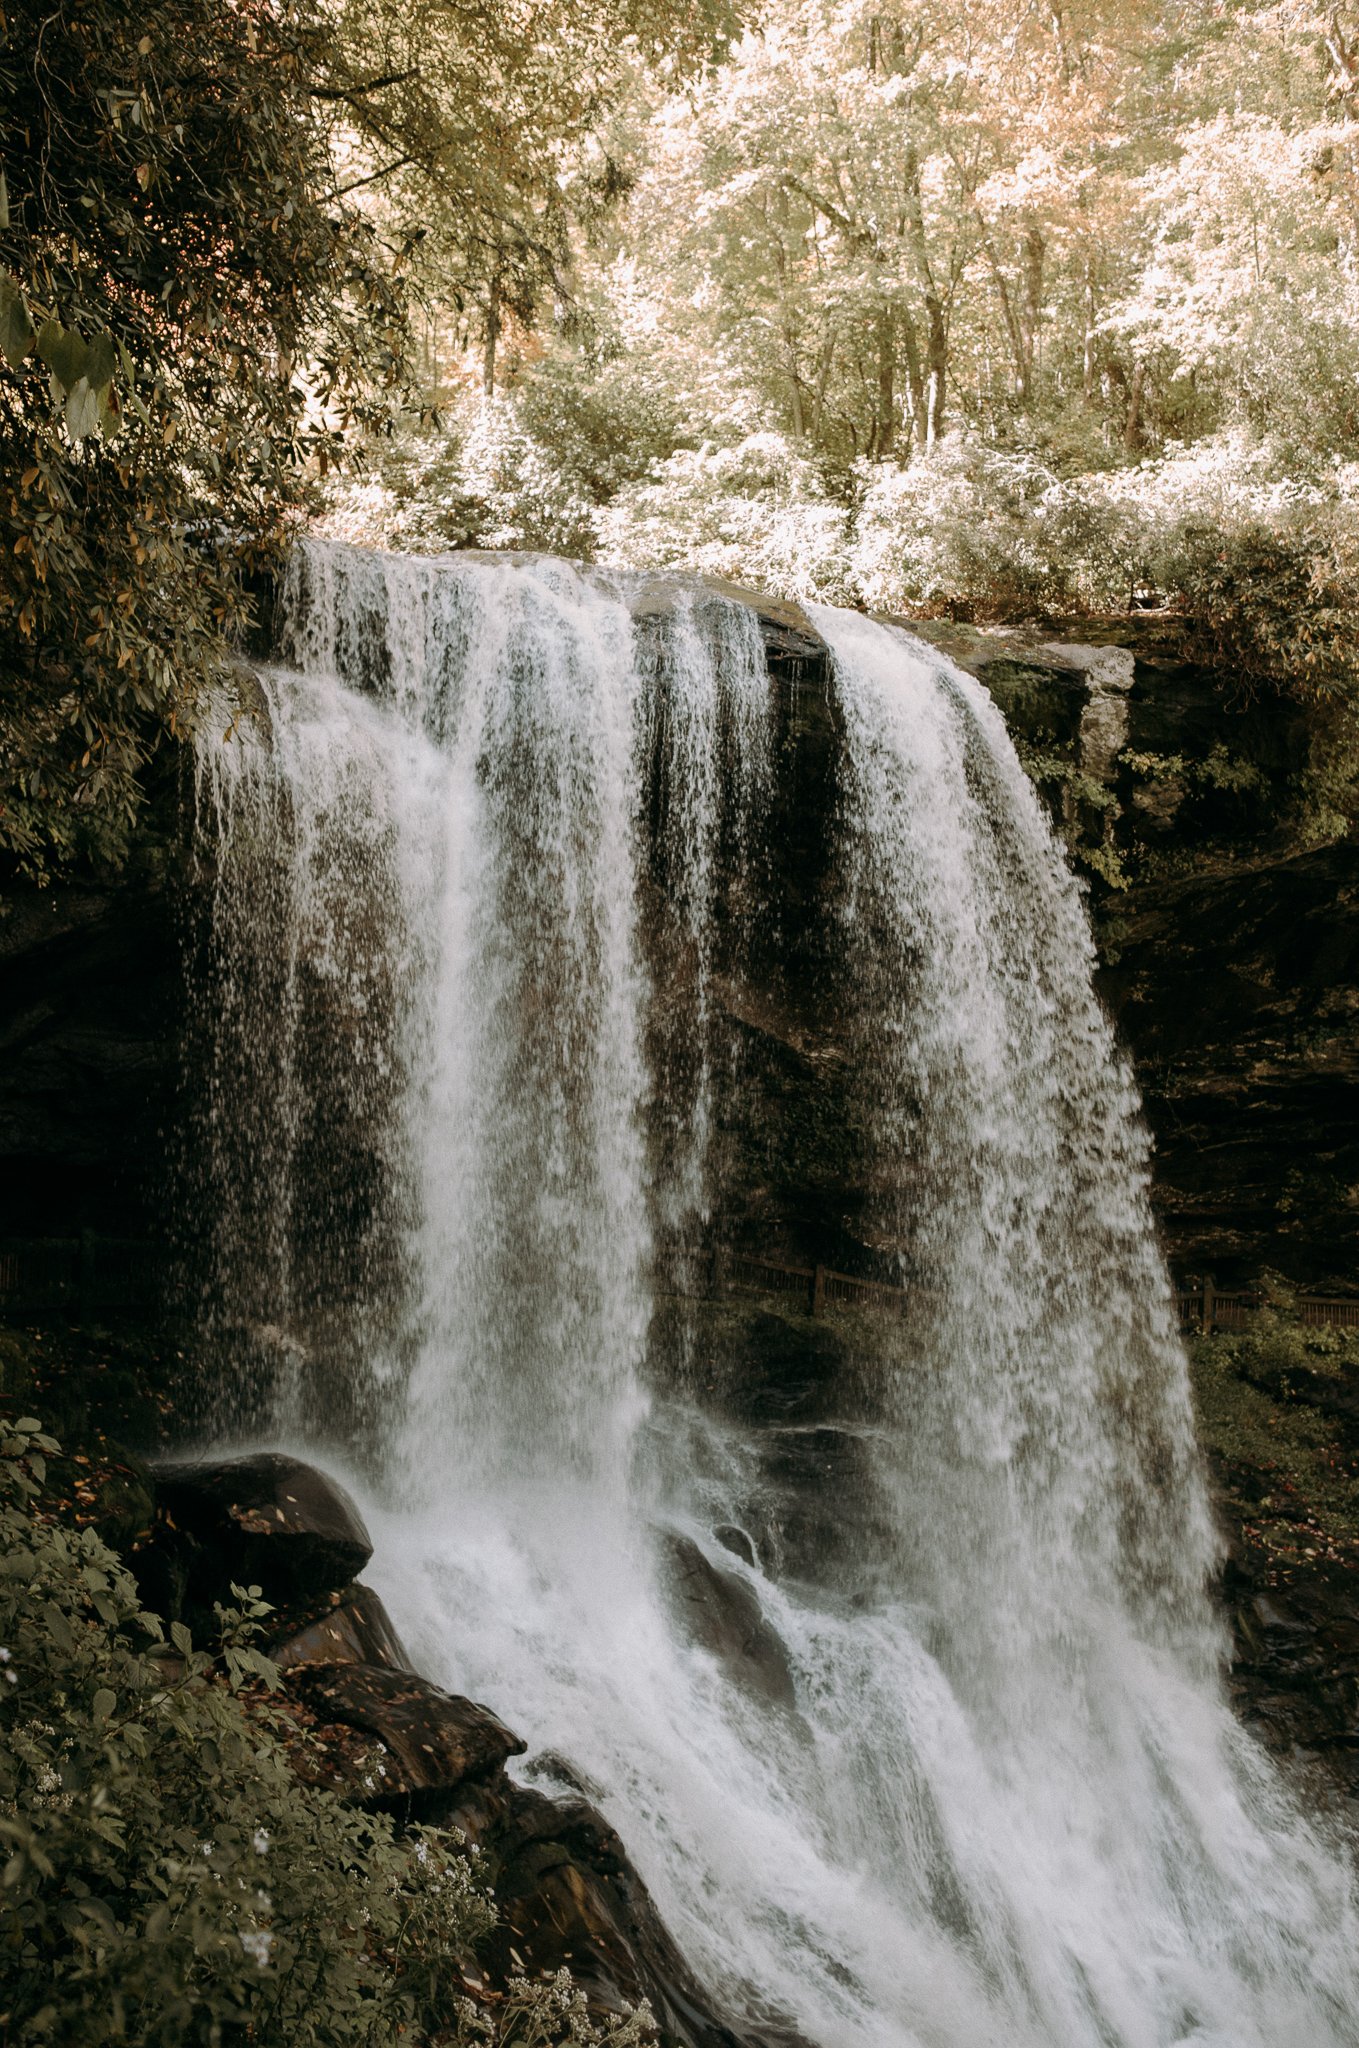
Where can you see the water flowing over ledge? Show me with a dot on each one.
(494, 875)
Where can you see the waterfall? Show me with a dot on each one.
(486, 867)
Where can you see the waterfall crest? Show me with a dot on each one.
(485, 868)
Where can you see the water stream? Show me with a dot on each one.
(481, 865)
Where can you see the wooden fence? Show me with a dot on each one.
(1206, 1307)
(818, 1287)
(1214, 1308)
(105, 1272)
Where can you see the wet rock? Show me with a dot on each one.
(266, 1520)
(435, 1740)
(567, 1894)
(1238, 992)
(355, 1629)
(722, 1614)
(737, 1542)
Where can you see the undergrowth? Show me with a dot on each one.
(168, 1878)
(1279, 1422)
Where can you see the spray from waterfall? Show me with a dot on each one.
(485, 887)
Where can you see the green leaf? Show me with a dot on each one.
(101, 360)
(63, 351)
(82, 409)
(16, 330)
(58, 1627)
(110, 413)
(103, 1703)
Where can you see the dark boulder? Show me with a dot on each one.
(568, 1896)
(355, 1629)
(266, 1520)
(434, 1740)
(722, 1614)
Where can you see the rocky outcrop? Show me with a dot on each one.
(1138, 748)
(355, 1628)
(1237, 991)
(568, 1896)
(377, 1733)
(266, 1520)
(720, 1612)
(90, 1003)
(432, 1742)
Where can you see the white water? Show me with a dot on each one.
(1011, 1809)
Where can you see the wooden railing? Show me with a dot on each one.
(1214, 1308)
(817, 1286)
(1206, 1307)
(105, 1272)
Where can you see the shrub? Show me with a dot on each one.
(756, 512)
(980, 534)
(482, 480)
(1271, 1402)
(167, 1879)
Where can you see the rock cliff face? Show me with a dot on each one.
(90, 1009)
(1238, 993)
(1235, 980)
(1235, 984)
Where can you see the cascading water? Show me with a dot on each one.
(474, 905)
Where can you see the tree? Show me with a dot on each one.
(482, 123)
(187, 317)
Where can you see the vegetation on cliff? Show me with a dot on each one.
(199, 308)
(167, 257)
(940, 310)
(168, 1876)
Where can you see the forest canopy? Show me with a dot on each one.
(1089, 238)
(938, 307)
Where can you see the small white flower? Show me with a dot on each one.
(257, 1947)
(261, 1841)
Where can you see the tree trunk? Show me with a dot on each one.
(1035, 249)
(492, 338)
(822, 381)
(1133, 437)
(936, 321)
(885, 426)
(936, 367)
(799, 419)
(915, 378)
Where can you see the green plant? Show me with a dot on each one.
(1271, 1408)
(188, 317)
(167, 1878)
